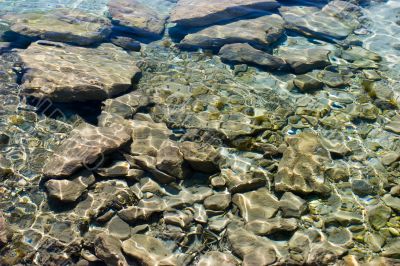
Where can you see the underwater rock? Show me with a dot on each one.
(118, 228)
(331, 79)
(253, 249)
(393, 125)
(382, 94)
(125, 106)
(70, 190)
(302, 166)
(218, 201)
(262, 31)
(362, 188)
(245, 53)
(4, 234)
(378, 216)
(392, 202)
(144, 209)
(258, 204)
(148, 250)
(292, 205)
(308, 82)
(242, 182)
(218, 223)
(85, 145)
(355, 53)
(65, 73)
(217, 258)
(310, 247)
(136, 17)
(392, 249)
(5, 166)
(201, 157)
(344, 218)
(313, 22)
(117, 169)
(194, 13)
(170, 160)
(271, 226)
(148, 137)
(200, 214)
(340, 236)
(108, 249)
(126, 43)
(179, 218)
(304, 60)
(61, 25)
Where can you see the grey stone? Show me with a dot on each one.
(118, 228)
(137, 17)
(392, 202)
(262, 31)
(302, 166)
(69, 190)
(292, 205)
(148, 250)
(83, 147)
(245, 53)
(193, 13)
(61, 25)
(217, 258)
(259, 204)
(218, 201)
(273, 225)
(65, 73)
(108, 249)
(304, 60)
(378, 216)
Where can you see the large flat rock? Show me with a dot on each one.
(61, 25)
(137, 17)
(85, 145)
(261, 31)
(65, 73)
(206, 12)
(322, 24)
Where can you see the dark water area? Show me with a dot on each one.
(198, 132)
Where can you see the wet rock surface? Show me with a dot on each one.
(244, 53)
(85, 145)
(201, 13)
(137, 17)
(287, 155)
(61, 25)
(66, 73)
(262, 31)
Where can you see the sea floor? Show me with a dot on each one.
(183, 132)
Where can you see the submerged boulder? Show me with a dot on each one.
(85, 145)
(65, 73)
(136, 17)
(260, 31)
(311, 21)
(61, 25)
(194, 13)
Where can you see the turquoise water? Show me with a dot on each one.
(261, 136)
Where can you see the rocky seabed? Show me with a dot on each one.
(199, 132)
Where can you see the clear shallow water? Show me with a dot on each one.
(248, 114)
